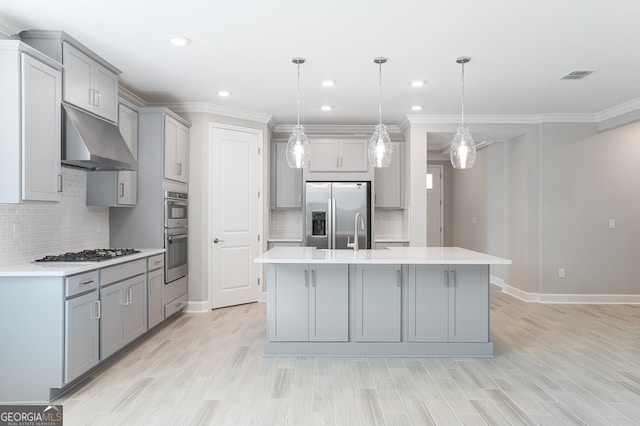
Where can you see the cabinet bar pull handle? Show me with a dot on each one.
(130, 295)
(91, 97)
(97, 98)
(122, 189)
(60, 183)
(313, 277)
(306, 278)
(399, 278)
(97, 309)
(300, 198)
(446, 278)
(453, 278)
(85, 282)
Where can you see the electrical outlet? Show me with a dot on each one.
(474, 220)
(561, 273)
(612, 223)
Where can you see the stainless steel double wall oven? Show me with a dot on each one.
(176, 222)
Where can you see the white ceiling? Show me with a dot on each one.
(519, 50)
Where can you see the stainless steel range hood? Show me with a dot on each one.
(92, 143)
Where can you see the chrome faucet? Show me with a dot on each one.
(354, 244)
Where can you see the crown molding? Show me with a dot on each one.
(339, 129)
(623, 108)
(131, 97)
(218, 110)
(9, 28)
(567, 118)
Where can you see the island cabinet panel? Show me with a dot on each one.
(448, 303)
(428, 303)
(377, 304)
(329, 303)
(308, 303)
(288, 299)
(469, 303)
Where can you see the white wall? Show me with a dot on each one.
(544, 199)
(32, 230)
(587, 179)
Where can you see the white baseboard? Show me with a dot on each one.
(197, 307)
(595, 299)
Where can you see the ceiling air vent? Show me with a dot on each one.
(577, 75)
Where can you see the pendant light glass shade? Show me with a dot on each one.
(380, 148)
(463, 148)
(298, 147)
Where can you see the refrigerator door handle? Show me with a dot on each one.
(333, 223)
(329, 223)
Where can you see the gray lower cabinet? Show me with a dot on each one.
(155, 281)
(82, 325)
(377, 304)
(448, 303)
(123, 295)
(329, 303)
(308, 303)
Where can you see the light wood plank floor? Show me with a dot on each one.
(553, 365)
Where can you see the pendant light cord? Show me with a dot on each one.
(298, 94)
(462, 95)
(380, 93)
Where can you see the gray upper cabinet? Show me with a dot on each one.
(31, 87)
(89, 85)
(176, 150)
(448, 303)
(89, 82)
(388, 180)
(117, 188)
(334, 155)
(287, 181)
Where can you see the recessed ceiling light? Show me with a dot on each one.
(417, 83)
(416, 108)
(224, 93)
(328, 83)
(179, 41)
(326, 107)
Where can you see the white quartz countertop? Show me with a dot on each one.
(62, 269)
(391, 255)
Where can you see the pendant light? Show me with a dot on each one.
(298, 148)
(463, 148)
(380, 148)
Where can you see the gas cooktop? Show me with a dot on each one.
(96, 255)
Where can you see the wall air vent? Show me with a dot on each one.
(577, 75)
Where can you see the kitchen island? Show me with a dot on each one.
(400, 301)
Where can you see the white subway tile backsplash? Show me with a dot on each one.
(286, 224)
(32, 230)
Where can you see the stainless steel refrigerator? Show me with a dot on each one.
(330, 212)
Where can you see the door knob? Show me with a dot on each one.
(218, 241)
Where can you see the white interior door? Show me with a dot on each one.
(435, 207)
(235, 209)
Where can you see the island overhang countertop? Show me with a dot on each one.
(387, 256)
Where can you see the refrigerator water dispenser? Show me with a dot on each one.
(318, 224)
